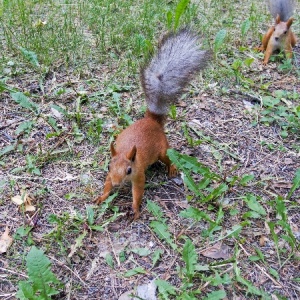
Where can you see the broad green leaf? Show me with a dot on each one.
(141, 251)
(60, 109)
(216, 295)
(189, 256)
(296, 184)
(53, 124)
(25, 102)
(245, 26)
(25, 127)
(109, 260)
(7, 149)
(163, 233)
(25, 291)
(274, 273)
(273, 233)
(169, 17)
(196, 214)
(30, 56)
(78, 243)
(155, 210)
(180, 8)
(250, 287)
(97, 227)
(41, 279)
(246, 178)
(90, 214)
(219, 40)
(270, 101)
(217, 192)
(156, 256)
(106, 204)
(281, 209)
(201, 268)
(251, 214)
(254, 258)
(254, 204)
(236, 229)
(135, 271)
(165, 288)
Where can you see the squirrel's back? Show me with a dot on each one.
(283, 8)
(178, 58)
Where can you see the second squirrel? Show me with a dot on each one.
(279, 36)
(178, 58)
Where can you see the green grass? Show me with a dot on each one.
(69, 83)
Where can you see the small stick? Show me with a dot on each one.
(259, 267)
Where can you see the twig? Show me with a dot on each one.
(70, 178)
(259, 267)
(208, 282)
(7, 295)
(53, 258)
(113, 249)
(12, 123)
(252, 97)
(13, 272)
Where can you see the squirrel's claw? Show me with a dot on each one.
(99, 199)
(172, 171)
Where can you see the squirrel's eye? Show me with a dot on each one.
(108, 167)
(128, 171)
(274, 29)
(285, 32)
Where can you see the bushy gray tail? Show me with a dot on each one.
(178, 58)
(283, 8)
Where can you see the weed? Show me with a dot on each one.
(42, 283)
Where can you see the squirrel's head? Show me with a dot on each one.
(281, 28)
(121, 165)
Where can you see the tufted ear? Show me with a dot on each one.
(277, 20)
(289, 22)
(132, 154)
(112, 150)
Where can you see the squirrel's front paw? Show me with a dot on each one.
(259, 49)
(99, 199)
(172, 171)
(136, 215)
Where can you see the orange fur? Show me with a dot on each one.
(179, 57)
(138, 146)
(278, 37)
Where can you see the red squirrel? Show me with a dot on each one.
(279, 36)
(178, 58)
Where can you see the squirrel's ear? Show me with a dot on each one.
(132, 153)
(112, 149)
(277, 20)
(289, 22)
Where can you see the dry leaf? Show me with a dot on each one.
(262, 241)
(18, 200)
(219, 250)
(5, 241)
(93, 267)
(24, 199)
(56, 113)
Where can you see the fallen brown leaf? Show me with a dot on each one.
(219, 250)
(5, 241)
(262, 241)
(23, 199)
